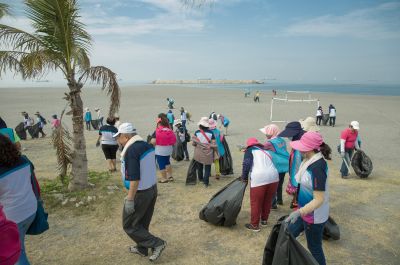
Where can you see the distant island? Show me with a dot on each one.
(208, 81)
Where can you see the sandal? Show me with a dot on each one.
(163, 181)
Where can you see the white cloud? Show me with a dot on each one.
(380, 22)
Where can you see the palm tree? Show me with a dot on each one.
(59, 42)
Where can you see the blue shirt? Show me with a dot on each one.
(140, 165)
(88, 116)
(107, 131)
(315, 179)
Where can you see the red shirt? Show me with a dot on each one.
(350, 137)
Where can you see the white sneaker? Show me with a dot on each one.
(157, 251)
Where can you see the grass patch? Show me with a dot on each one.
(56, 194)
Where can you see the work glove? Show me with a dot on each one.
(292, 218)
(129, 206)
(342, 154)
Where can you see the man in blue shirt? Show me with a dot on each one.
(138, 170)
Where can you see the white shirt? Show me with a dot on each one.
(16, 194)
(332, 113)
(183, 116)
(263, 171)
(319, 113)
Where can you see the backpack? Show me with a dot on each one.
(165, 136)
(43, 120)
(10, 245)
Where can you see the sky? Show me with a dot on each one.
(343, 41)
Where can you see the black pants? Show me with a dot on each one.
(207, 172)
(88, 125)
(136, 225)
(332, 121)
(278, 197)
(185, 150)
(42, 132)
(319, 119)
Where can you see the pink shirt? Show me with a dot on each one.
(350, 138)
(55, 123)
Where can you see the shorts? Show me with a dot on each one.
(162, 161)
(110, 150)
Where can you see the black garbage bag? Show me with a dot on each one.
(177, 151)
(191, 178)
(20, 130)
(34, 130)
(225, 205)
(225, 161)
(331, 230)
(325, 119)
(282, 248)
(95, 124)
(361, 164)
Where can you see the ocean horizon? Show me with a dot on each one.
(355, 89)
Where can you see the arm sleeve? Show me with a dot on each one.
(319, 178)
(247, 163)
(357, 146)
(153, 135)
(342, 143)
(132, 163)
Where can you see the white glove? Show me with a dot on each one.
(292, 218)
(129, 206)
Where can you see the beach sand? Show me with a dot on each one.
(367, 211)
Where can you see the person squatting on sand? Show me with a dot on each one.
(138, 170)
(220, 150)
(293, 131)
(88, 118)
(183, 136)
(42, 122)
(313, 193)
(16, 194)
(163, 139)
(280, 158)
(109, 144)
(204, 144)
(348, 142)
(264, 179)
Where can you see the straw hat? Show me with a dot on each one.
(309, 125)
(204, 122)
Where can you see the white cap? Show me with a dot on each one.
(355, 125)
(125, 127)
(177, 121)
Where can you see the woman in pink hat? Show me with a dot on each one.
(280, 158)
(313, 193)
(257, 163)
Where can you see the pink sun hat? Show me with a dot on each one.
(252, 141)
(212, 124)
(308, 142)
(270, 130)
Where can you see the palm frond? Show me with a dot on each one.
(62, 143)
(4, 10)
(9, 61)
(81, 59)
(108, 79)
(38, 63)
(18, 40)
(57, 23)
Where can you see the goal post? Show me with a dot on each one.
(302, 97)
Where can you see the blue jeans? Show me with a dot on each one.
(348, 153)
(207, 173)
(22, 228)
(184, 124)
(314, 237)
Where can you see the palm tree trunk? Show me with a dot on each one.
(79, 171)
